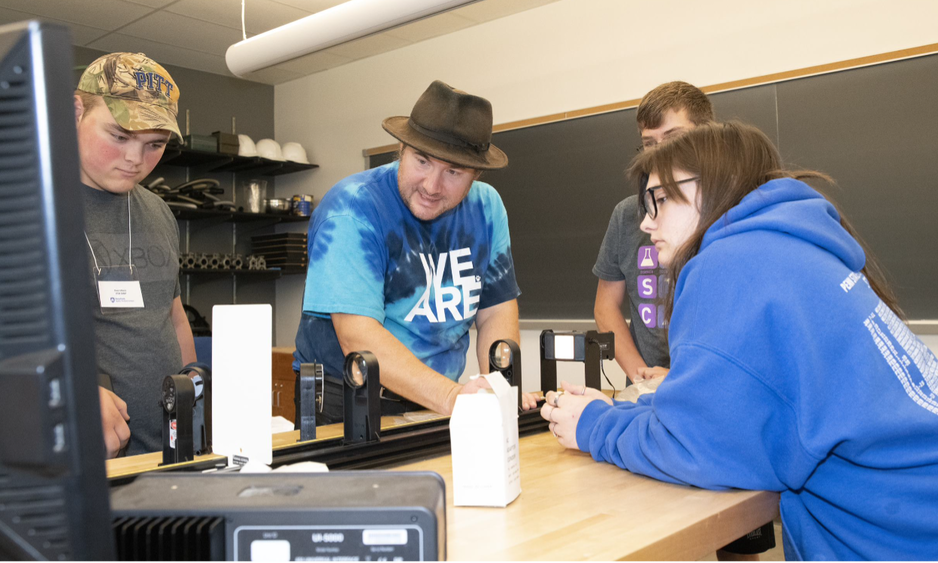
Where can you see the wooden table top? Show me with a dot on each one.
(570, 507)
(573, 508)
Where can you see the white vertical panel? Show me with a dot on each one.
(241, 381)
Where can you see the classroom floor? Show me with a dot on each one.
(774, 554)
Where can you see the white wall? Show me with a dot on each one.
(569, 55)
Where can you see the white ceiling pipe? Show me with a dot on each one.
(338, 24)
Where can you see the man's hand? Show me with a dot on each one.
(528, 401)
(651, 373)
(607, 311)
(474, 385)
(114, 419)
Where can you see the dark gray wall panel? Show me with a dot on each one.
(754, 105)
(875, 130)
(560, 186)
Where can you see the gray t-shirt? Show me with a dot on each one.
(136, 348)
(627, 254)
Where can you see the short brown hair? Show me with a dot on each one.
(88, 101)
(673, 96)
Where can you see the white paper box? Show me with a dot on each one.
(484, 439)
(241, 382)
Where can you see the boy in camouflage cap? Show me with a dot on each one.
(125, 113)
(138, 91)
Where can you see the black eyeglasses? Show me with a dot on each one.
(649, 144)
(648, 201)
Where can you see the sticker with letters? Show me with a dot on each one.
(648, 313)
(648, 287)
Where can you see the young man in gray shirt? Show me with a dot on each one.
(627, 267)
(125, 112)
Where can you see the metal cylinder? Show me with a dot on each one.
(302, 205)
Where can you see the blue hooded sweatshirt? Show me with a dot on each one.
(789, 374)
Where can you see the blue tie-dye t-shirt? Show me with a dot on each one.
(423, 280)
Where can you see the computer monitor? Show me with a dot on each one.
(54, 500)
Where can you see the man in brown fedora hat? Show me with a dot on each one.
(405, 257)
(125, 112)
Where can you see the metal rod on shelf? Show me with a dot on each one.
(188, 278)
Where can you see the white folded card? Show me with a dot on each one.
(484, 440)
(241, 383)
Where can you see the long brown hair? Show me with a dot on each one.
(731, 160)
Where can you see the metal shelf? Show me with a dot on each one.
(220, 162)
(272, 273)
(235, 216)
(260, 274)
(183, 158)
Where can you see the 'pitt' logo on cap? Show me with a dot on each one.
(153, 81)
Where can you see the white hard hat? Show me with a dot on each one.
(270, 149)
(295, 152)
(246, 146)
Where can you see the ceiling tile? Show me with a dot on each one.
(12, 16)
(311, 6)
(184, 32)
(314, 62)
(259, 15)
(100, 14)
(151, 3)
(197, 33)
(369, 46)
(81, 35)
(273, 76)
(433, 26)
(163, 53)
(489, 10)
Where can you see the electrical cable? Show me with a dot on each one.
(602, 368)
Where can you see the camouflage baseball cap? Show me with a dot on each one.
(138, 91)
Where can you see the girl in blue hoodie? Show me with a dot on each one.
(791, 369)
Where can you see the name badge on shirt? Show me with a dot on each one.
(120, 294)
